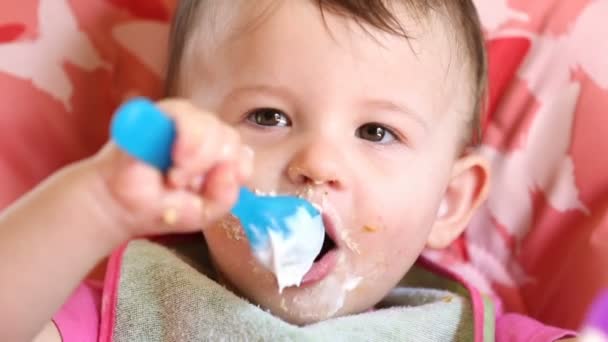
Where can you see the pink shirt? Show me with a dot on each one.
(78, 321)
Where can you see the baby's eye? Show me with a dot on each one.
(268, 117)
(376, 133)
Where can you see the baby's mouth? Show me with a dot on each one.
(328, 245)
(327, 258)
(329, 242)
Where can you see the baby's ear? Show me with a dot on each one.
(465, 192)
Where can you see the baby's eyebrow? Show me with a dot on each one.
(393, 106)
(260, 88)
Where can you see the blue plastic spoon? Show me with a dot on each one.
(140, 129)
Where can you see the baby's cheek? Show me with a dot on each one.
(375, 253)
(379, 239)
(232, 258)
(227, 244)
(228, 228)
(389, 250)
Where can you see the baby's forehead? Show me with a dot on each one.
(217, 23)
(230, 19)
(233, 25)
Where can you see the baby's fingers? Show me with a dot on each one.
(244, 164)
(202, 142)
(181, 212)
(187, 211)
(221, 186)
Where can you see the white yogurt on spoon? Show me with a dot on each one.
(291, 257)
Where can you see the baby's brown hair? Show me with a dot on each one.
(376, 13)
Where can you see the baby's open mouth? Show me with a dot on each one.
(327, 257)
(328, 245)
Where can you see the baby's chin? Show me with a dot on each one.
(338, 294)
(349, 285)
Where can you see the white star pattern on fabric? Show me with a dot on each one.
(42, 60)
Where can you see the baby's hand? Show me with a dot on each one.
(209, 164)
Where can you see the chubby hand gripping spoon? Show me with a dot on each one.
(285, 232)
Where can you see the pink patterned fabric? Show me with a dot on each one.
(514, 328)
(64, 66)
(540, 242)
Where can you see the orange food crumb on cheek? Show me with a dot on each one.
(370, 229)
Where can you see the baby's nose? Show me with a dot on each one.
(302, 176)
(317, 164)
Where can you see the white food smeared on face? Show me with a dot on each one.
(340, 294)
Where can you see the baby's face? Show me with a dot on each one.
(365, 124)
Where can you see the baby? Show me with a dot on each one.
(366, 108)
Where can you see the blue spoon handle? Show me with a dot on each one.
(144, 132)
